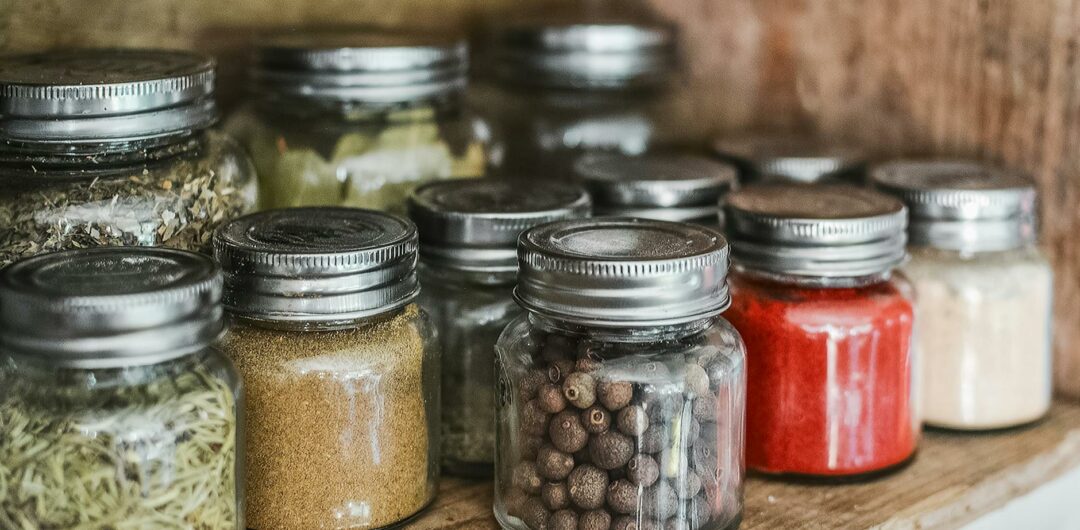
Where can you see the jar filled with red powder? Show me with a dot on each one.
(827, 326)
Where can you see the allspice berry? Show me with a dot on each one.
(643, 470)
(564, 520)
(688, 485)
(555, 495)
(567, 433)
(704, 460)
(535, 515)
(580, 389)
(697, 380)
(623, 496)
(533, 418)
(700, 510)
(559, 370)
(553, 464)
(705, 408)
(611, 449)
(660, 501)
(614, 395)
(515, 502)
(530, 446)
(632, 420)
(550, 398)
(527, 478)
(530, 383)
(677, 523)
(596, 419)
(595, 520)
(587, 365)
(588, 487)
(627, 522)
(653, 439)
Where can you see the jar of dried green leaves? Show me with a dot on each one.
(112, 147)
(340, 367)
(99, 426)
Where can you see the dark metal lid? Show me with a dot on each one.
(602, 54)
(815, 230)
(110, 307)
(375, 66)
(104, 95)
(616, 272)
(474, 224)
(791, 158)
(317, 264)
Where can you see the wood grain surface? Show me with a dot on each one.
(954, 479)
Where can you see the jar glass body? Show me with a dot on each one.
(641, 425)
(469, 310)
(984, 336)
(171, 192)
(316, 152)
(155, 446)
(343, 420)
(832, 388)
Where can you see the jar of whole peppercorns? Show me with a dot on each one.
(622, 390)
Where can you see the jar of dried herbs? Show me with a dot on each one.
(359, 119)
(113, 148)
(115, 412)
(341, 368)
(468, 267)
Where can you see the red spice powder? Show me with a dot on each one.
(829, 376)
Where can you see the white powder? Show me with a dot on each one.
(983, 325)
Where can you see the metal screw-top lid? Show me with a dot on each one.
(323, 265)
(374, 66)
(962, 205)
(619, 272)
(110, 307)
(821, 230)
(602, 54)
(657, 186)
(104, 95)
(474, 224)
(792, 158)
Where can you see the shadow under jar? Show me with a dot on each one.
(984, 292)
(622, 390)
(115, 410)
(468, 267)
(113, 148)
(340, 367)
(828, 327)
(341, 118)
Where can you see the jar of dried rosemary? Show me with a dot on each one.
(468, 266)
(341, 369)
(113, 147)
(115, 412)
(358, 118)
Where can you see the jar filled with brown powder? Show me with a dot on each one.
(340, 367)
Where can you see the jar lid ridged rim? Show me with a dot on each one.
(798, 158)
(655, 180)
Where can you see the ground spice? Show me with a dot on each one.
(337, 433)
(829, 376)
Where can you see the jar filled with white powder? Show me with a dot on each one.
(983, 307)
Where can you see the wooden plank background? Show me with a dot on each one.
(998, 79)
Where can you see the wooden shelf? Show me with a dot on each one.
(955, 479)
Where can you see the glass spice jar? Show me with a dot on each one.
(828, 327)
(358, 118)
(115, 410)
(792, 158)
(556, 90)
(340, 367)
(114, 147)
(682, 188)
(468, 267)
(985, 291)
(622, 390)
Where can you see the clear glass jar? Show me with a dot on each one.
(634, 419)
(72, 177)
(553, 94)
(468, 238)
(330, 126)
(985, 292)
(341, 384)
(103, 428)
(828, 328)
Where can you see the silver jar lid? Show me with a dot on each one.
(474, 224)
(369, 66)
(962, 205)
(622, 272)
(821, 230)
(656, 186)
(104, 95)
(317, 264)
(110, 307)
(602, 54)
(791, 158)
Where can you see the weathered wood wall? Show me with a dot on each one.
(998, 79)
